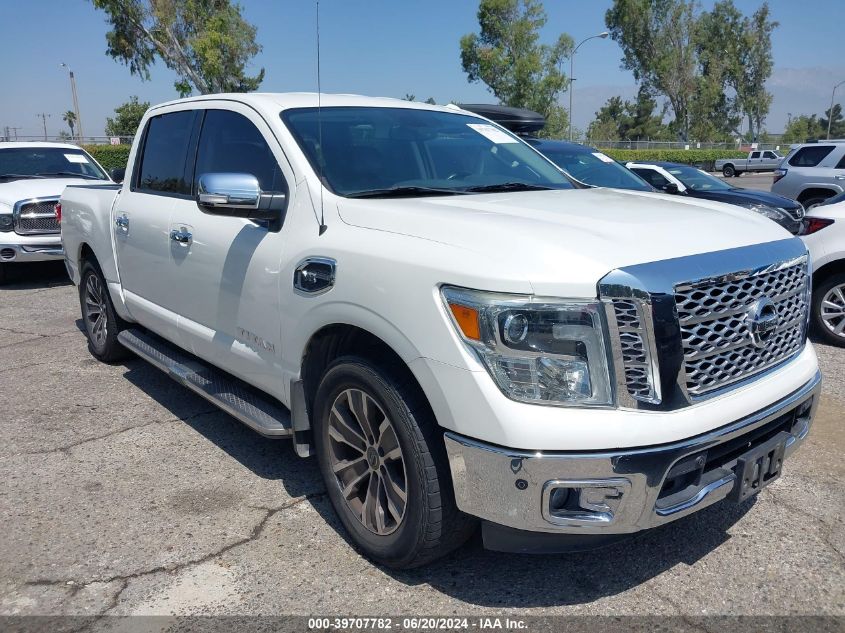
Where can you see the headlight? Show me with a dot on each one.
(543, 351)
(6, 222)
(772, 213)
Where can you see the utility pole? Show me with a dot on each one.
(80, 134)
(602, 35)
(44, 116)
(830, 112)
(15, 130)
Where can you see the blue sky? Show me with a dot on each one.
(375, 47)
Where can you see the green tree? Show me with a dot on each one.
(127, 117)
(206, 42)
(837, 124)
(657, 40)
(803, 128)
(507, 56)
(755, 68)
(69, 117)
(626, 120)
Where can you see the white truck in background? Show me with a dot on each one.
(32, 177)
(455, 329)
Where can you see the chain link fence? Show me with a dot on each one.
(67, 138)
(648, 144)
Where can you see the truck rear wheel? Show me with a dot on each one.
(728, 171)
(382, 457)
(101, 322)
(2, 274)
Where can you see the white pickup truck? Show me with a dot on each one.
(32, 177)
(454, 328)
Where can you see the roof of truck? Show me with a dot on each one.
(286, 100)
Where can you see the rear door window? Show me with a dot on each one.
(755, 154)
(651, 177)
(810, 156)
(165, 167)
(230, 143)
(841, 163)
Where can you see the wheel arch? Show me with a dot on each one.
(834, 267)
(810, 192)
(335, 340)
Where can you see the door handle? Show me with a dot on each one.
(122, 223)
(181, 236)
(839, 177)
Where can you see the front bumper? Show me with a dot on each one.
(31, 252)
(623, 491)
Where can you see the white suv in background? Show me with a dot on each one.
(824, 234)
(812, 172)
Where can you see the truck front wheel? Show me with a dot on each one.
(382, 457)
(102, 324)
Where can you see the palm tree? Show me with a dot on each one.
(69, 117)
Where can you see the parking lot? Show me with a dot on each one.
(125, 494)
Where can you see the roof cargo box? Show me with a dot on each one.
(518, 120)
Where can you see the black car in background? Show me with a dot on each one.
(689, 181)
(585, 164)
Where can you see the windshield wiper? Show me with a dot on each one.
(18, 176)
(404, 192)
(73, 174)
(507, 186)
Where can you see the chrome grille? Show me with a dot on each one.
(713, 316)
(37, 218)
(635, 353)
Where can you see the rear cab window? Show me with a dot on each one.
(165, 156)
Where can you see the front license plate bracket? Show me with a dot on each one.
(759, 467)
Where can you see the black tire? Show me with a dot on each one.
(431, 525)
(3, 276)
(100, 332)
(826, 325)
(813, 201)
(728, 171)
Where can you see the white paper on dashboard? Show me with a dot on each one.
(76, 158)
(603, 157)
(492, 133)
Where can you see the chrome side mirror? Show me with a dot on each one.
(238, 195)
(232, 191)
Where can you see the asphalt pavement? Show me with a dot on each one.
(123, 493)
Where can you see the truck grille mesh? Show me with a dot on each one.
(634, 351)
(37, 218)
(713, 315)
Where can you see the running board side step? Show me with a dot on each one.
(258, 411)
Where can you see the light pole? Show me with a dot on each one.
(80, 135)
(830, 112)
(602, 35)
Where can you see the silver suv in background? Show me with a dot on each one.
(812, 172)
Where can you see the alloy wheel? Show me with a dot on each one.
(367, 461)
(96, 321)
(833, 310)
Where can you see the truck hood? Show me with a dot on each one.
(563, 242)
(12, 192)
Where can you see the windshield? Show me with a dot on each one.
(698, 180)
(47, 162)
(379, 152)
(594, 168)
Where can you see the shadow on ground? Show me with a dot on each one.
(471, 574)
(35, 275)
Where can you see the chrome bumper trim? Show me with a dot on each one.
(512, 487)
(32, 252)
